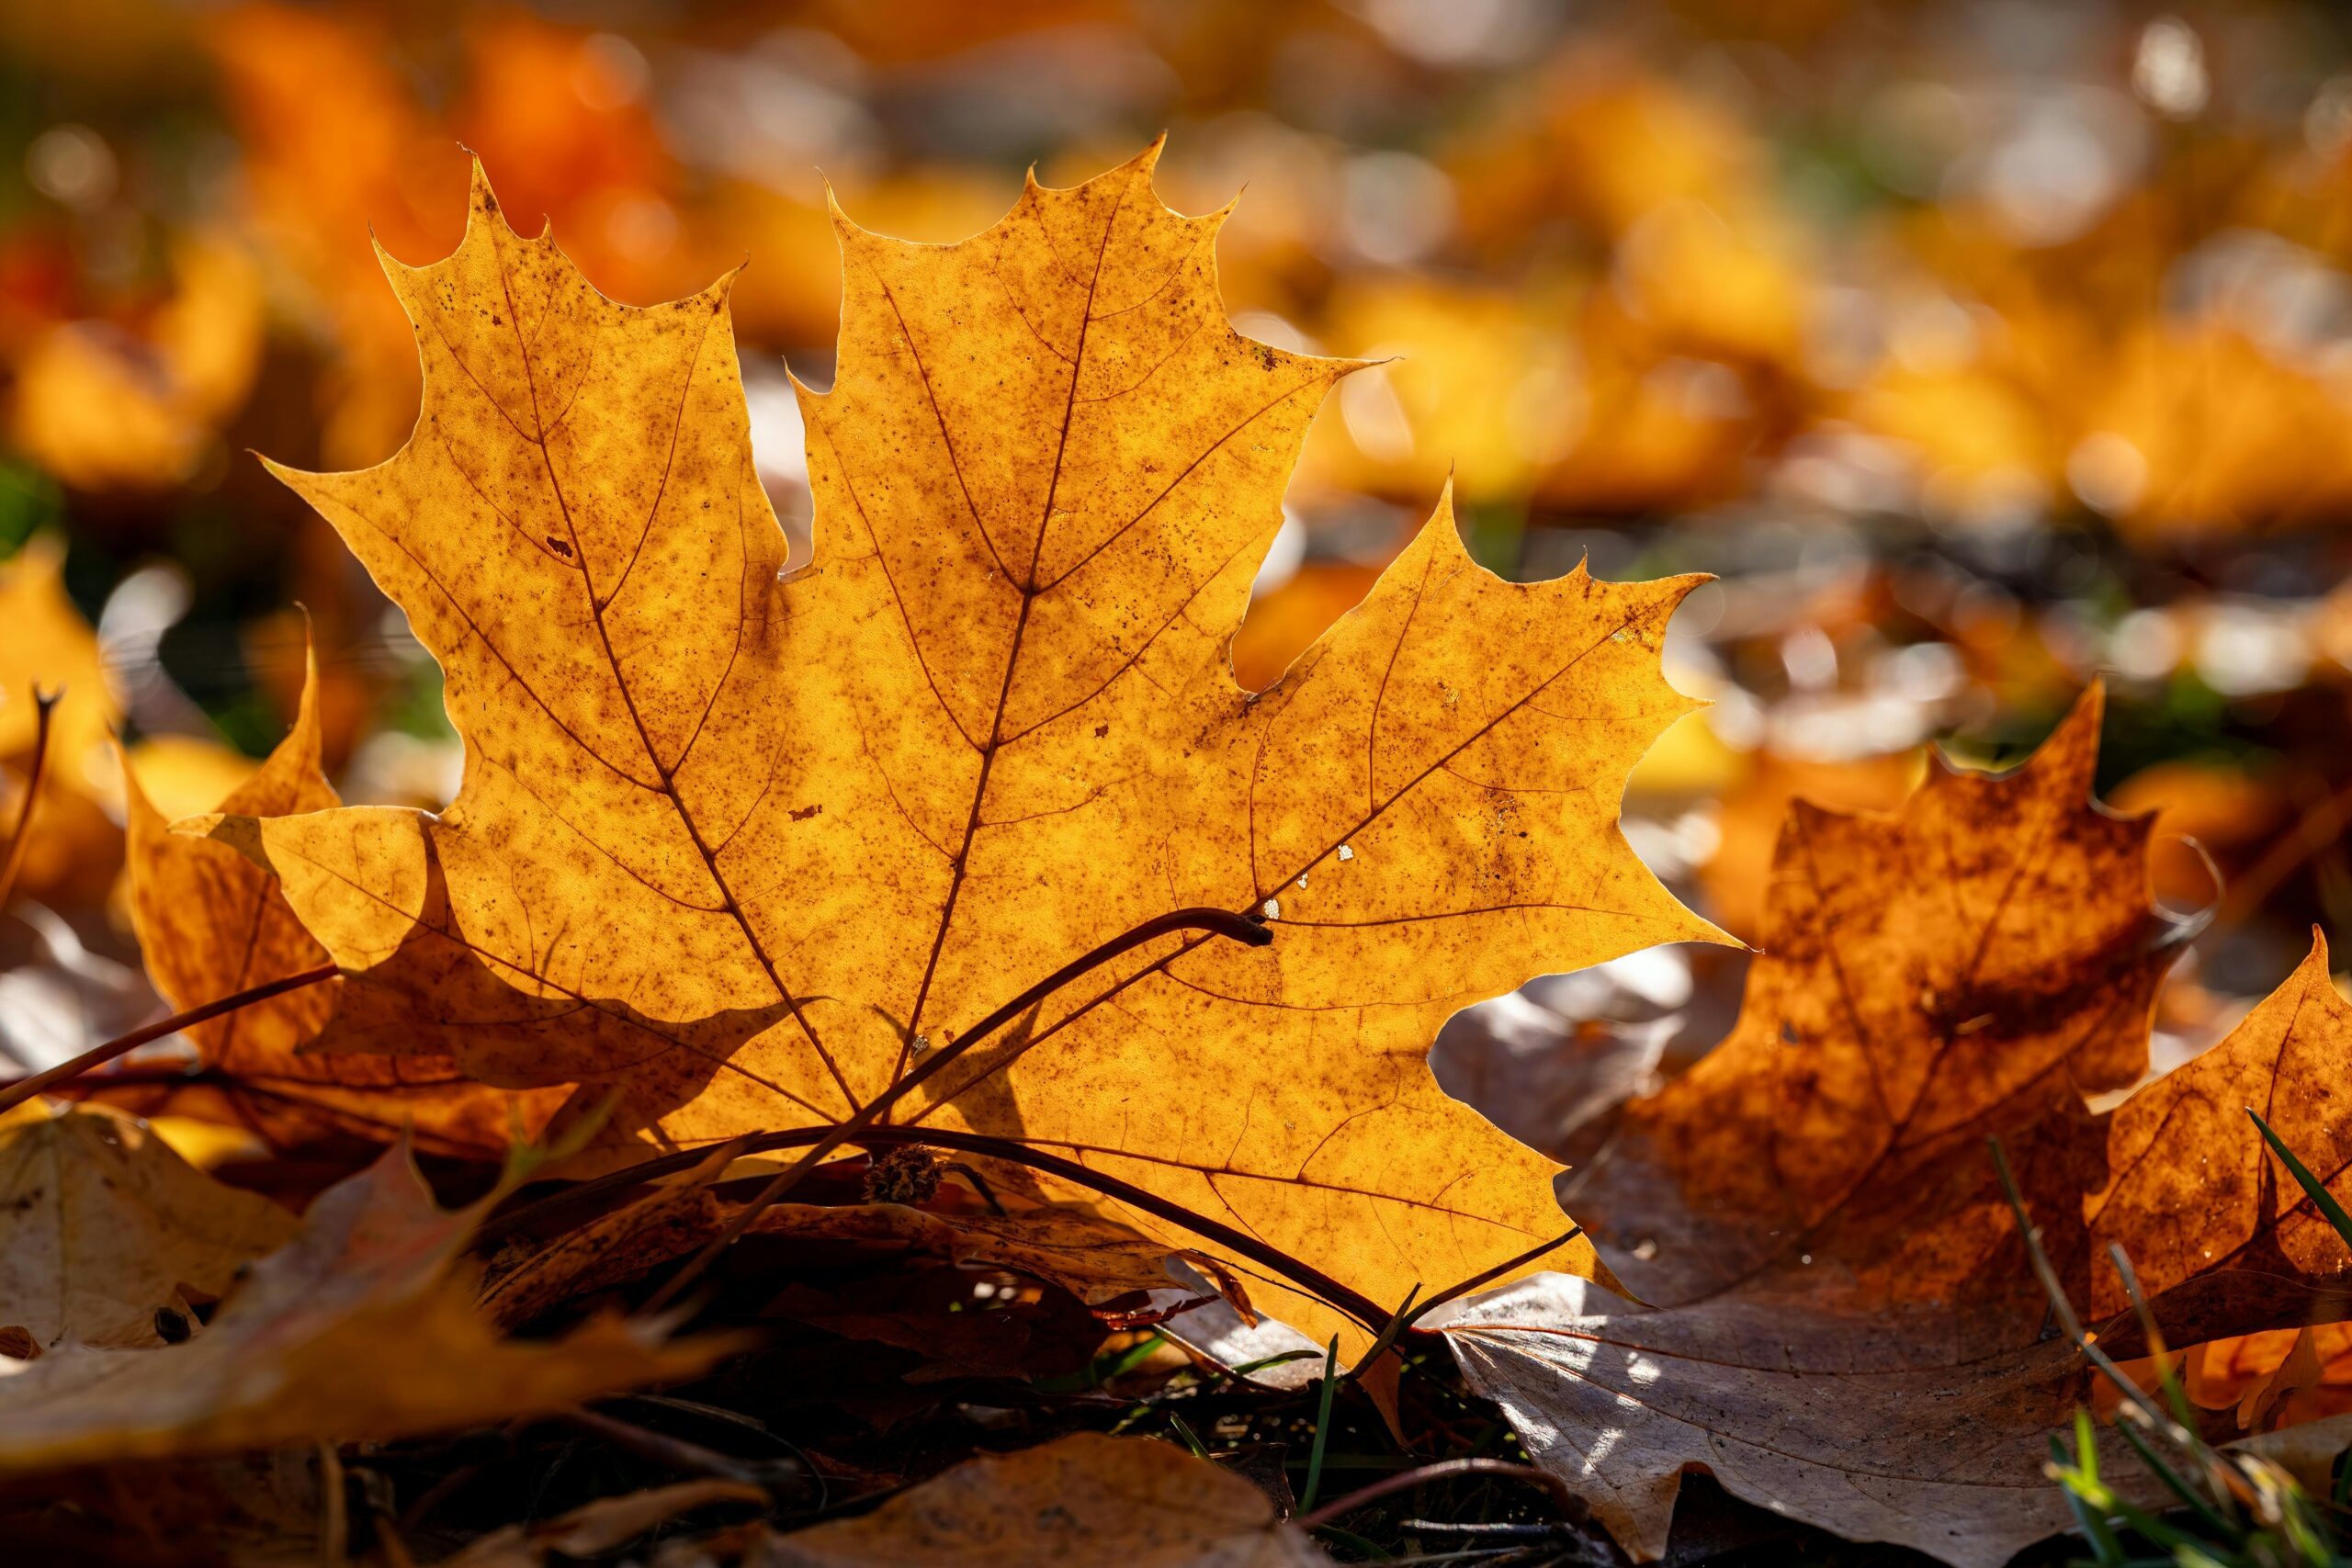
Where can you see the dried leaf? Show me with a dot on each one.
(1081, 1500)
(297, 1352)
(105, 1231)
(1869, 1427)
(1878, 1360)
(1093, 1258)
(2307, 1452)
(745, 847)
(1958, 968)
(103, 408)
(2215, 1222)
(211, 923)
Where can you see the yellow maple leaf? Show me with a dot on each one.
(747, 845)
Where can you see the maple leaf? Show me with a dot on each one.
(296, 1353)
(1928, 978)
(1847, 1329)
(745, 845)
(1080, 1499)
(211, 923)
(105, 1231)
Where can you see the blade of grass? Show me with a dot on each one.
(1389, 1331)
(2167, 1378)
(2174, 1481)
(1191, 1439)
(1263, 1362)
(2106, 1550)
(1322, 1427)
(1369, 1551)
(2314, 1188)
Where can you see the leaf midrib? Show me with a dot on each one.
(596, 607)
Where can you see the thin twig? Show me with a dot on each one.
(1445, 1470)
(46, 702)
(1218, 922)
(17, 1093)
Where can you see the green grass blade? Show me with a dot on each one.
(1368, 1550)
(2106, 1550)
(2180, 1486)
(2321, 1198)
(1322, 1427)
(1191, 1439)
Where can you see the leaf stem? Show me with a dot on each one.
(1219, 922)
(23, 1088)
(45, 702)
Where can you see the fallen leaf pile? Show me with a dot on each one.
(292, 1355)
(958, 841)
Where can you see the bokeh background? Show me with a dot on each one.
(1979, 347)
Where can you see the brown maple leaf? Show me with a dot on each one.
(1845, 1326)
(211, 923)
(748, 843)
(1930, 977)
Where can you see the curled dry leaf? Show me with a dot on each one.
(1080, 1499)
(745, 843)
(2274, 1378)
(106, 1232)
(1091, 1255)
(211, 923)
(297, 1352)
(1846, 1328)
